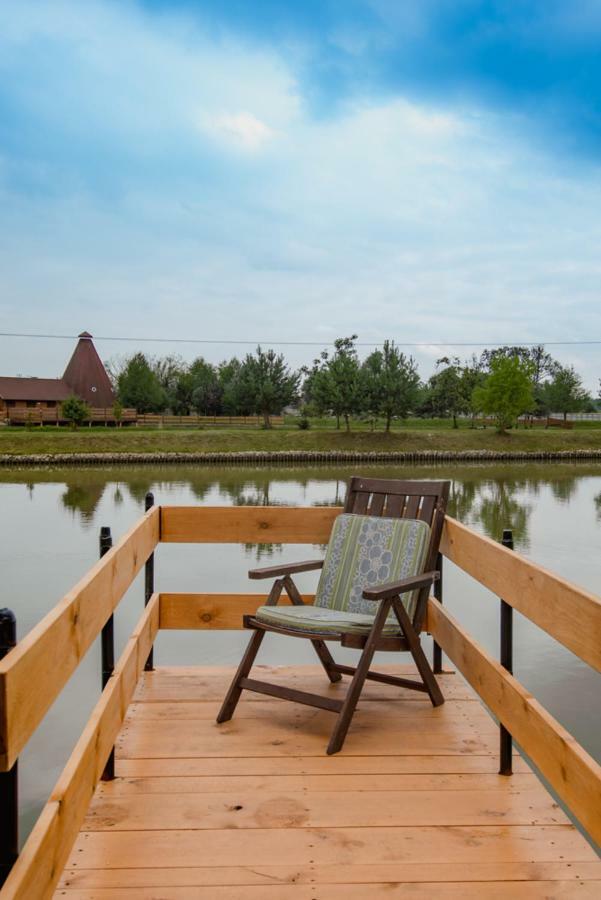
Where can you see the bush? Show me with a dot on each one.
(75, 411)
(118, 412)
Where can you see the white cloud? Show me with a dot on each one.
(242, 129)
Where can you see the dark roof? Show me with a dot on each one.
(38, 389)
(86, 376)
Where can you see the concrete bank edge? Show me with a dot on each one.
(295, 456)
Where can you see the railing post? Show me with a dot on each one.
(436, 651)
(505, 739)
(107, 639)
(9, 781)
(149, 580)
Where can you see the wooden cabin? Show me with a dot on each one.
(22, 399)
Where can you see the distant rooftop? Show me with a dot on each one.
(84, 376)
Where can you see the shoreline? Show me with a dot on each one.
(296, 456)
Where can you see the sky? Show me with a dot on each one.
(427, 171)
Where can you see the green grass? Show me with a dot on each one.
(409, 437)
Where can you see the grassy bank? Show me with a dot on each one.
(18, 442)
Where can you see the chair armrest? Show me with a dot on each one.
(286, 569)
(394, 588)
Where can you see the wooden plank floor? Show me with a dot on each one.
(254, 809)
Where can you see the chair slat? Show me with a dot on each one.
(426, 512)
(412, 507)
(376, 507)
(394, 505)
(360, 503)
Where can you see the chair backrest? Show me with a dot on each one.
(424, 500)
(365, 551)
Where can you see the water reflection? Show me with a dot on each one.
(84, 499)
(490, 498)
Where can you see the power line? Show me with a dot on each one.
(270, 342)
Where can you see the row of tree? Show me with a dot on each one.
(503, 383)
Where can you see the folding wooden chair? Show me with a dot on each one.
(383, 550)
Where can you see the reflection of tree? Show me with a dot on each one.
(462, 499)
(138, 486)
(83, 498)
(503, 510)
(262, 551)
(490, 497)
(564, 490)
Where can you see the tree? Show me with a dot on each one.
(448, 389)
(267, 379)
(390, 383)
(118, 413)
(173, 376)
(139, 387)
(472, 376)
(237, 397)
(334, 383)
(544, 367)
(207, 392)
(565, 392)
(75, 410)
(507, 392)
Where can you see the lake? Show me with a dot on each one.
(52, 517)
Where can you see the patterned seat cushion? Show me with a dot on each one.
(321, 619)
(364, 551)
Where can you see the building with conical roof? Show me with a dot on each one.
(85, 376)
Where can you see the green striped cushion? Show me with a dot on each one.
(320, 619)
(365, 551)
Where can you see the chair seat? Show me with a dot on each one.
(320, 619)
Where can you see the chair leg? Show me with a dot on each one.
(419, 657)
(325, 657)
(233, 695)
(350, 702)
(354, 692)
(327, 660)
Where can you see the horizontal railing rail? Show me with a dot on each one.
(50, 653)
(569, 769)
(568, 613)
(48, 656)
(247, 524)
(38, 868)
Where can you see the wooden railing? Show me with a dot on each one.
(39, 415)
(48, 656)
(23, 415)
(194, 421)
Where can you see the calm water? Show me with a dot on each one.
(51, 520)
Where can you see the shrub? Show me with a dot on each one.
(75, 411)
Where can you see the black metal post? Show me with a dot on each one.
(107, 639)
(149, 581)
(436, 651)
(506, 742)
(9, 781)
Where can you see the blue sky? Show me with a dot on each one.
(424, 170)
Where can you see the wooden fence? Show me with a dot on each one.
(22, 415)
(49, 655)
(39, 415)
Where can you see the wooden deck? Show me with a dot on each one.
(254, 809)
